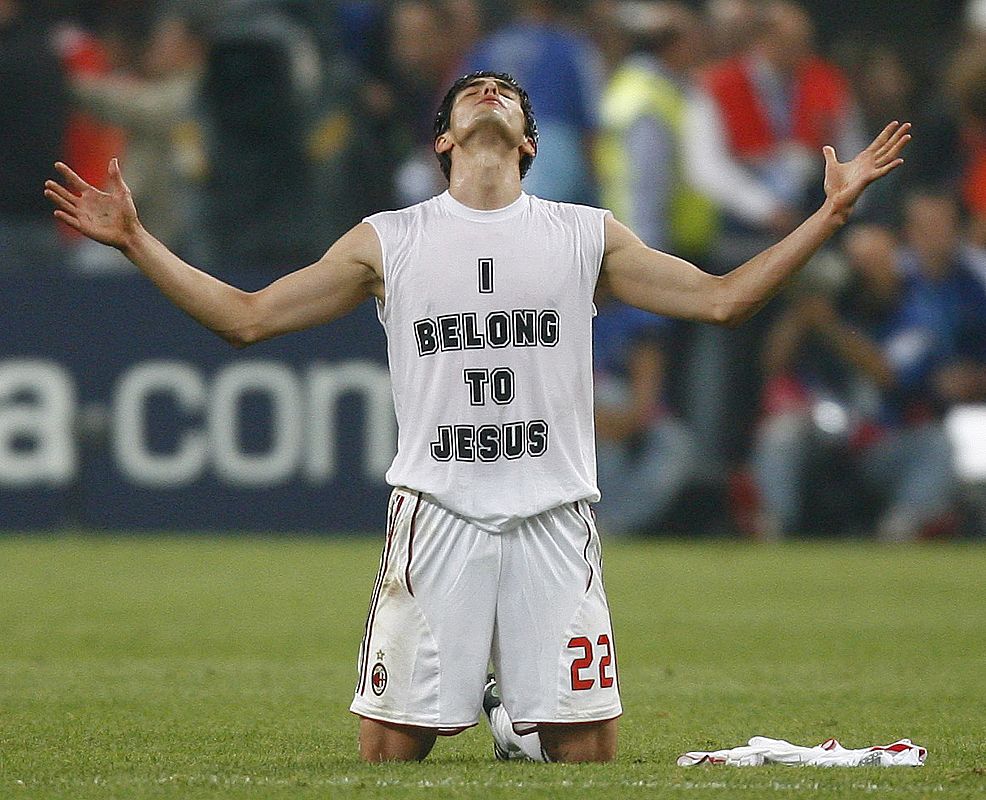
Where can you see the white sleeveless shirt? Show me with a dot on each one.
(488, 316)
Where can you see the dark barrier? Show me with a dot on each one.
(117, 411)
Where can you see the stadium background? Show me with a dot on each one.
(140, 658)
(117, 413)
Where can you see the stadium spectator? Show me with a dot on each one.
(908, 343)
(824, 374)
(351, 140)
(646, 455)
(641, 160)
(98, 47)
(885, 87)
(733, 25)
(946, 295)
(422, 56)
(156, 108)
(755, 155)
(643, 179)
(33, 115)
(262, 92)
(407, 51)
(937, 349)
(777, 101)
(561, 69)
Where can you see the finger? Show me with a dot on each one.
(898, 135)
(829, 152)
(884, 136)
(116, 176)
(72, 178)
(897, 145)
(881, 171)
(68, 219)
(893, 152)
(60, 202)
(61, 191)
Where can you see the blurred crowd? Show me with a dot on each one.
(254, 132)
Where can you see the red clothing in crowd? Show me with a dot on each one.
(821, 98)
(89, 143)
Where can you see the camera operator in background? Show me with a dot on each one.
(868, 378)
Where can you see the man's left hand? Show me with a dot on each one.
(844, 182)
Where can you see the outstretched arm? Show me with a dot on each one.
(666, 285)
(349, 273)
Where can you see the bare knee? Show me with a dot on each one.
(385, 741)
(590, 741)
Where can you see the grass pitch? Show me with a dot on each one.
(164, 667)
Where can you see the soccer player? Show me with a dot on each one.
(485, 293)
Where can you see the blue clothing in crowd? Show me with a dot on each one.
(562, 72)
(950, 315)
(642, 474)
(939, 322)
(616, 329)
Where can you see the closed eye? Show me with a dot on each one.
(505, 89)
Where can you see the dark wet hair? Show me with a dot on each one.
(443, 117)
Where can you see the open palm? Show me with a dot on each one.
(108, 217)
(844, 182)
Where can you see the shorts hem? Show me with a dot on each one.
(441, 729)
(605, 717)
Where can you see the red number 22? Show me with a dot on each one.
(579, 683)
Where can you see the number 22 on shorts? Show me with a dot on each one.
(582, 665)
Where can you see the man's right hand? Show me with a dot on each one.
(108, 217)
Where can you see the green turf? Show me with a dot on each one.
(205, 667)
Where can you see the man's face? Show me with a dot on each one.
(487, 104)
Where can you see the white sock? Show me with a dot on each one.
(527, 746)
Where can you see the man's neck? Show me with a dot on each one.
(484, 181)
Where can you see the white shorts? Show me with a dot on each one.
(449, 597)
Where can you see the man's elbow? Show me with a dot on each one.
(243, 337)
(247, 331)
(237, 341)
(737, 317)
(723, 315)
(728, 312)
(247, 324)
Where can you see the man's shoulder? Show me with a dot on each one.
(564, 208)
(415, 209)
(586, 220)
(400, 226)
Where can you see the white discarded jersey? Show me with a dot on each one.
(488, 317)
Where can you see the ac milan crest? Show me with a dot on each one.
(378, 679)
